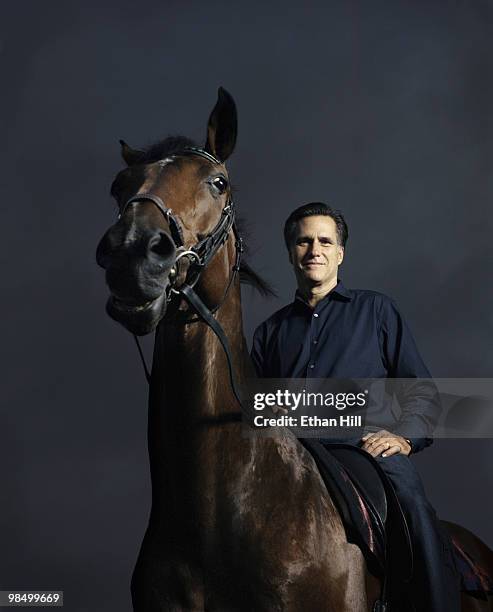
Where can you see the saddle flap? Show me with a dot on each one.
(368, 507)
(362, 472)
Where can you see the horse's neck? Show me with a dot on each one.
(199, 457)
(193, 413)
(190, 375)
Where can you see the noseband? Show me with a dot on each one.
(199, 256)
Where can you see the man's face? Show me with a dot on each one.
(315, 252)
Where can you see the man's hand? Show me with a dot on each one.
(385, 443)
(278, 411)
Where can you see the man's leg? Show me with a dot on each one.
(436, 584)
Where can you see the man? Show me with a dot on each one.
(330, 331)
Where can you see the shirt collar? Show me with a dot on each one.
(338, 292)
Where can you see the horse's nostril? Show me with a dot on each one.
(161, 245)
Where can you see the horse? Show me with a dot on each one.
(237, 523)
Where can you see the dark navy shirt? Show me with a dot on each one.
(351, 333)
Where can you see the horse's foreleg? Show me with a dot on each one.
(343, 585)
(363, 588)
(165, 586)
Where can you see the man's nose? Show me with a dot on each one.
(315, 248)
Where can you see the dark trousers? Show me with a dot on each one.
(435, 585)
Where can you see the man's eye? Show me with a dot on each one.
(220, 184)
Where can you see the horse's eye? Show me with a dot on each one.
(220, 184)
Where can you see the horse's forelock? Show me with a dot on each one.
(170, 145)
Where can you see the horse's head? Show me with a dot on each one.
(171, 198)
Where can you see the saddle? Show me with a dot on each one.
(374, 521)
(369, 509)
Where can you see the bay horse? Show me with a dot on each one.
(237, 523)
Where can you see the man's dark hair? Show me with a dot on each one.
(315, 208)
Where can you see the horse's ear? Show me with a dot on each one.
(130, 156)
(222, 127)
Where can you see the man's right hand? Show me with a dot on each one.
(386, 444)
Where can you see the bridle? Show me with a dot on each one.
(201, 253)
(199, 256)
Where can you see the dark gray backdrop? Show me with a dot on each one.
(380, 108)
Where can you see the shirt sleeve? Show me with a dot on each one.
(257, 353)
(419, 400)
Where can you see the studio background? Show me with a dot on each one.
(382, 109)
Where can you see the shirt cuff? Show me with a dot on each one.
(418, 444)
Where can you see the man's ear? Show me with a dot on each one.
(130, 156)
(222, 127)
(340, 255)
(290, 256)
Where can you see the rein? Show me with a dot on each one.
(199, 255)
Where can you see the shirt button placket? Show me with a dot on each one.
(311, 365)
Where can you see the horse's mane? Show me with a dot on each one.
(175, 144)
(247, 275)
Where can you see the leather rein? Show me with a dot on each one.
(199, 256)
